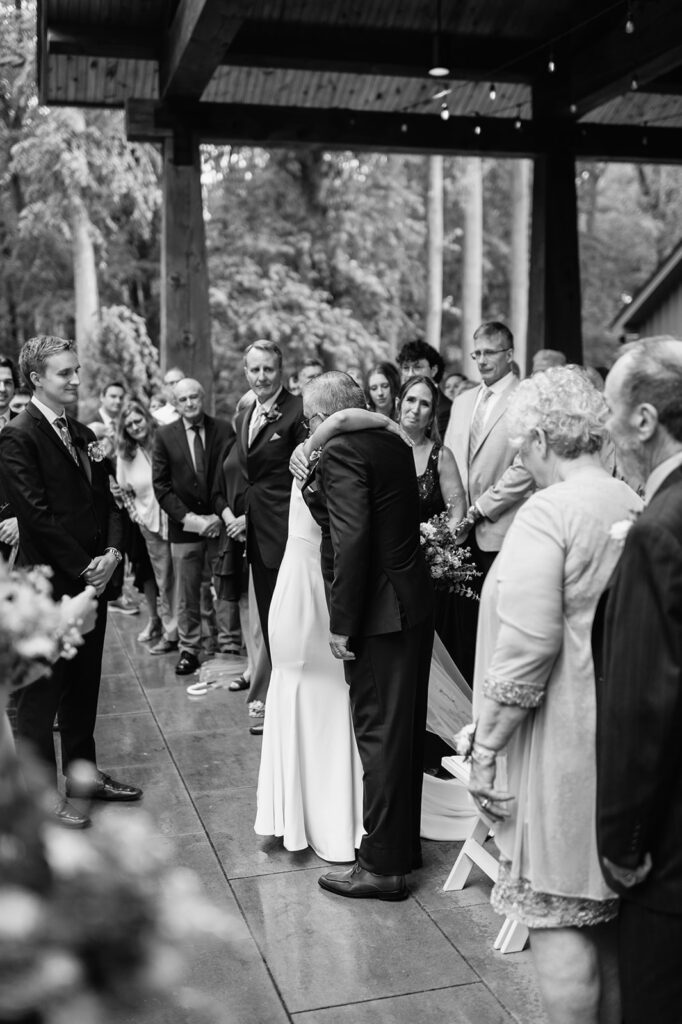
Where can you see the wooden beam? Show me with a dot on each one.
(199, 35)
(268, 44)
(291, 127)
(604, 65)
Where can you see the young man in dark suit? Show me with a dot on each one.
(68, 520)
(186, 456)
(9, 529)
(267, 433)
(639, 709)
(381, 627)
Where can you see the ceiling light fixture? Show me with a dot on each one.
(438, 68)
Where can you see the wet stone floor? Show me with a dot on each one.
(298, 954)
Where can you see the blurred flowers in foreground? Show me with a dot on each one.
(90, 923)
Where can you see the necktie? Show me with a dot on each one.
(478, 421)
(61, 425)
(200, 461)
(256, 422)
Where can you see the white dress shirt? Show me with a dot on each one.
(259, 411)
(498, 388)
(189, 429)
(49, 415)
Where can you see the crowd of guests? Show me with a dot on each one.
(568, 492)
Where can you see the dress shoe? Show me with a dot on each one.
(256, 730)
(187, 664)
(152, 631)
(239, 684)
(360, 884)
(106, 788)
(66, 815)
(124, 606)
(164, 646)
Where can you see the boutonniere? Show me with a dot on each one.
(96, 452)
(273, 414)
(621, 529)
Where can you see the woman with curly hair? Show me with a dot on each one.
(533, 768)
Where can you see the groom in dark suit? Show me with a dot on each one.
(639, 711)
(364, 496)
(267, 432)
(59, 490)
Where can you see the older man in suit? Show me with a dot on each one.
(184, 462)
(639, 708)
(60, 492)
(492, 474)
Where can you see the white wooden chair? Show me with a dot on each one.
(512, 936)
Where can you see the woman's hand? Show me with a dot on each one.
(299, 465)
(490, 802)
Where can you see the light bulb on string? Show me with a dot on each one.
(492, 92)
(477, 125)
(517, 120)
(629, 22)
(444, 112)
(634, 84)
(551, 64)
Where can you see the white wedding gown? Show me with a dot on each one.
(310, 778)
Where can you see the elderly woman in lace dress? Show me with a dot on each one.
(533, 759)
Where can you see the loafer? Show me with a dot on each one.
(106, 788)
(256, 730)
(187, 664)
(239, 684)
(359, 884)
(164, 646)
(66, 815)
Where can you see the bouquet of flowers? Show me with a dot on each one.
(33, 628)
(449, 563)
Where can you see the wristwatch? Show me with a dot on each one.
(115, 552)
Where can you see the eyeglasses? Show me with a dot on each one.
(486, 353)
(307, 420)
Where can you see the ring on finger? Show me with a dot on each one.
(485, 804)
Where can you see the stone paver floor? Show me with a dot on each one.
(299, 954)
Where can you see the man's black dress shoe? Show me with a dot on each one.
(105, 788)
(187, 664)
(67, 816)
(256, 730)
(360, 884)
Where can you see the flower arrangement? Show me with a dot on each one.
(273, 414)
(90, 923)
(33, 630)
(449, 563)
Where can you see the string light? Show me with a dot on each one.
(493, 92)
(634, 84)
(477, 126)
(444, 112)
(629, 22)
(551, 65)
(517, 122)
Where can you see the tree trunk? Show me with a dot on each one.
(84, 274)
(520, 258)
(472, 254)
(434, 251)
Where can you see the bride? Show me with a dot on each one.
(310, 778)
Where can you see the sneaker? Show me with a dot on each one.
(124, 606)
(164, 646)
(152, 631)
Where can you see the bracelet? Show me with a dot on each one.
(483, 756)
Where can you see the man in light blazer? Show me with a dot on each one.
(186, 456)
(639, 697)
(495, 481)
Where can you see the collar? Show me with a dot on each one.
(190, 426)
(107, 420)
(48, 413)
(267, 405)
(660, 474)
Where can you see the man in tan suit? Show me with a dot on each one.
(494, 479)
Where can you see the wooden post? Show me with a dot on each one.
(554, 313)
(472, 256)
(519, 259)
(185, 315)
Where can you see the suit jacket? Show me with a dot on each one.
(66, 512)
(367, 505)
(639, 705)
(265, 467)
(443, 408)
(495, 477)
(177, 489)
(5, 509)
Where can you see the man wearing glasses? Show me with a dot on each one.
(493, 476)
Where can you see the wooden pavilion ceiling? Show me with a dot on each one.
(245, 68)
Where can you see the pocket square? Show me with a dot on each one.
(276, 437)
